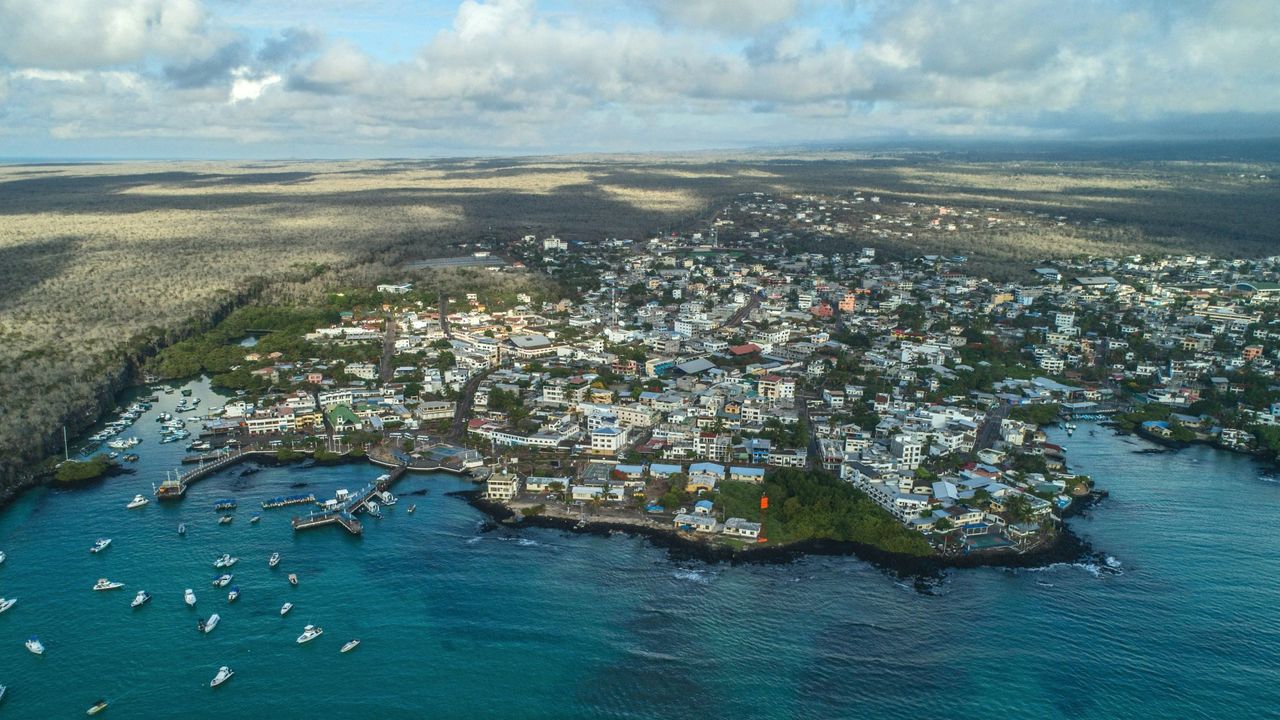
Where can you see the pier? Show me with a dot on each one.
(348, 507)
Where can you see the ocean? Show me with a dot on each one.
(460, 623)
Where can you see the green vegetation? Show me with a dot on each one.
(73, 471)
(287, 455)
(805, 505)
(218, 350)
(1036, 414)
(533, 510)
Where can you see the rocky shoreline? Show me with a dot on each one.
(1067, 547)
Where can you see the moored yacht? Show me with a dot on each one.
(100, 545)
(224, 674)
(137, 502)
(274, 560)
(182, 528)
(351, 645)
(222, 580)
(293, 579)
(190, 597)
(235, 593)
(207, 626)
(309, 633)
(225, 561)
(34, 645)
(140, 598)
(2, 557)
(96, 708)
(105, 584)
(6, 604)
(285, 608)
(225, 519)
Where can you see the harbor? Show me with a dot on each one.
(342, 510)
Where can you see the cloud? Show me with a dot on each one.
(211, 70)
(79, 34)
(724, 16)
(289, 45)
(245, 87)
(523, 75)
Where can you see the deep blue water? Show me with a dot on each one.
(459, 624)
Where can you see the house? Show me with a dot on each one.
(747, 474)
(703, 507)
(739, 527)
(502, 486)
(696, 523)
(342, 418)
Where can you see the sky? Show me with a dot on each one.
(405, 78)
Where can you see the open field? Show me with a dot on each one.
(100, 263)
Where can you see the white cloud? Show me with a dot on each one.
(246, 87)
(77, 34)
(515, 74)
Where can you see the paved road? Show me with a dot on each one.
(742, 312)
(444, 317)
(990, 430)
(466, 400)
(385, 368)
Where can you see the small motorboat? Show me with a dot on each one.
(222, 580)
(182, 528)
(137, 502)
(100, 544)
(224, 674)
(190, 597)
(285, 608)
(3, 690)
(105, 584)
(412, 508)
(96, 708)
(293, 579)
(2, 557)
(274, 560)
(351, 645)
(34, 645)
(309, 633)
(207, 626)
(235, 593)
(254, 520)
(225, 519)
(142, 597)
(225, 561)
(6, 604)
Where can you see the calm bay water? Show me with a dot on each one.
(538, 624)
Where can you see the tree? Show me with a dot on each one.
(1017, 507)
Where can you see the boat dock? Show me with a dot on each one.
(284, 501)
(345, 512)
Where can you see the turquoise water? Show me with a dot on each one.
(459, 624)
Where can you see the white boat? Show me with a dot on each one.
(105, 584)
(274, 560)
(137, 502)
(285, 608)
(388, 499)
(225, 519)
(182, 528)
(6, 604)
(351, 645)
(100, 545)
(225, 561)
(293, 579)
(190, 597)
(3, 690)
(140, 598)
(309, 633)
(34, 645)
(2, 557)
(222, 580)
(235, 593)
(96, 708)
(224, 674)
(207, 626)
